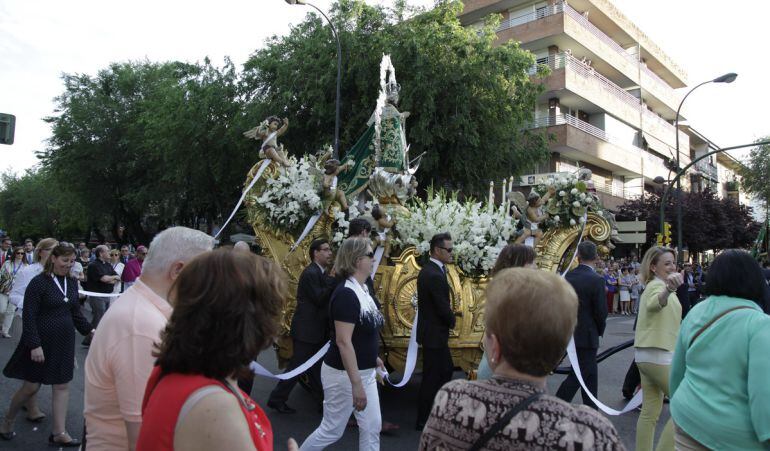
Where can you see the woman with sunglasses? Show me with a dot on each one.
(348, 371)
(8, 272)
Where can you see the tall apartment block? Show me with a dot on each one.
(610, 98)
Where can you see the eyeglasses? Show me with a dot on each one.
(114, 255)
(448, 249)
(19, 253)
(370, 254)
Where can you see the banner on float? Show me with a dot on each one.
(377, 259)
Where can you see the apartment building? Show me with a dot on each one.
(610, 99)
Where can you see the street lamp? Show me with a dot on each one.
(726, 78)
(339, 74)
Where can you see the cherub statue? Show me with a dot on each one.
(518, 205)
(383, 225)
(330, 193)
(268, 132)
(534, 213)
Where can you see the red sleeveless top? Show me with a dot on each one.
(164, 398)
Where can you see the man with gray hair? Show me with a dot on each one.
(120, 359)
(101, 278)
(592, 319)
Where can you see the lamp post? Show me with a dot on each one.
(726, 78)
(339, 74)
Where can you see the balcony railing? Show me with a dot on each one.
(540, 13)
(563, 7)
(707, 169)
(565, 59)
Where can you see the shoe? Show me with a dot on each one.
(73, 442)
(9, 427)
(388, 427)
(281, 407)
(36, 419)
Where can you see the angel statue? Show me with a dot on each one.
(534, 214)
(268, 132)
(519, 205)
(383, 226)
(330, 191)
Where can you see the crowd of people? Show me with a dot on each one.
(174, 328)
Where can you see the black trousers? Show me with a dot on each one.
(302, 352)
(589, 368)
(437, 369)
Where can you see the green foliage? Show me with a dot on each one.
(468, 97)
(756, 174)
(150, 144)
(33, 205)
(708, 222)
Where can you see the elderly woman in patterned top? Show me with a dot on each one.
(530, 318)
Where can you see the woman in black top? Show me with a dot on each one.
(46, 352)
(348, 371)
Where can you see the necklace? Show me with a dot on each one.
(58, 285)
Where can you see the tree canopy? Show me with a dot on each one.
(151, 144)
(756, 174)
(708, 222)
(469, 98)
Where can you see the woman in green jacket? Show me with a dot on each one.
(658, 325)
(720, 391)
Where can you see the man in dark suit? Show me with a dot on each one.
(6, 250)
(592, 319)
(309, 326)
(435, 320)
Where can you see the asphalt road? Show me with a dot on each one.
(398, 405)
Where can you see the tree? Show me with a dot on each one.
(33, 205)
(149, 145)
(469, 97)
(755, 174)
(708, 222)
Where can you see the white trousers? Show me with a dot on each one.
(7, 311)
(338, 405)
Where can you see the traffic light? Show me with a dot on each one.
(7, 128)
(666, 234)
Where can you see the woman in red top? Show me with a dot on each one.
(226, 310)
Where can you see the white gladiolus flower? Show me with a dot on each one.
(582, 219)
(589, 200)
(562, 193)
(556, 218)
(573, 191)
(572, 222)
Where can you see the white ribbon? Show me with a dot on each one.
(377, 259)
(572, 354)
(411, 358)
(262, 371)
(310, 224)
(261, 169)
(98, 295)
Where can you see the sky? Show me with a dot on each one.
(41, 39)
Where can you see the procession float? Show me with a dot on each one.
(292, 201)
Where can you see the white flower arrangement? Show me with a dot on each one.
(479, 233)
(572, 204)
(289, 199)
(342, 225)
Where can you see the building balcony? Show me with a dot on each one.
(548, 24)
(580, 141)
(571, 77)
(707, 170)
